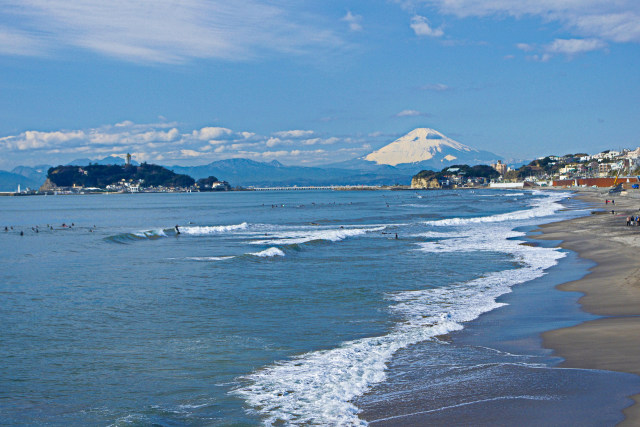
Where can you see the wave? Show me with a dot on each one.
(502, 195)
(294, 237)
(267, 253)
(212, 229)
(124, 238)
(319, 387)
(184, 230)
(540, 208)
(209, 258)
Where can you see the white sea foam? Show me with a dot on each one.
(151, 233)
(212, 229)
(297, 236)
(540, 208)
(501, 195)
(209, 258)
(319, 387)
(271, 252)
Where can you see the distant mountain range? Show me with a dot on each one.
(247, 172)
(395, 163)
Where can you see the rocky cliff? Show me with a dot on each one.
(420, 182)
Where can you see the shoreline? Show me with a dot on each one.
(544, 386)
(611, 290)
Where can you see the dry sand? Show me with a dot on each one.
(611, 289)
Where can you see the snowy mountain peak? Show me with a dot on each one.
(419, 145)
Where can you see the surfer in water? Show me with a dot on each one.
(177, 230)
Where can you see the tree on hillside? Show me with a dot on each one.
(95, 175)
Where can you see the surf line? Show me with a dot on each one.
(444, 408)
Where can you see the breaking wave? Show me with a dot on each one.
(267, 253)
(293, 237)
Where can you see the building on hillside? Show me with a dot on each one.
(500, 167)
(609, 154)
(604, 168)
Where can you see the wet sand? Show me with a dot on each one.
(611, 289)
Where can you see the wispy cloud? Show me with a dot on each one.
(436, 87)
(161, 31)
(412, 113)
(615, 21)
(294, 133)
(567, 47)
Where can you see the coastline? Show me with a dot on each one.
(538, 383)
(610, 290)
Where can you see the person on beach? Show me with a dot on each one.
(628, 221)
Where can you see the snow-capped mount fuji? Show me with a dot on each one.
(428, 148)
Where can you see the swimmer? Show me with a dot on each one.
(22, 233)
(177, 230)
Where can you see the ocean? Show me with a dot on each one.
(290, 307)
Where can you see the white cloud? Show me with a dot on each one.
(354, 21)
(272, 142)
(411, 113)
(35, 140)
(420, 25)
(525, 47)
(162, 31)
(330, 141)
(163, 142)
(294, 133)
(545, 57)
(190, 153)
(208, 133)
(572, 47)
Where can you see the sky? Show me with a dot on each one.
(188, 82)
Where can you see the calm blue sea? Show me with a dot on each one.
(268, 307)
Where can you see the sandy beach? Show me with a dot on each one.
(611, 290)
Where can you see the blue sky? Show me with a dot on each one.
(193, 81)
